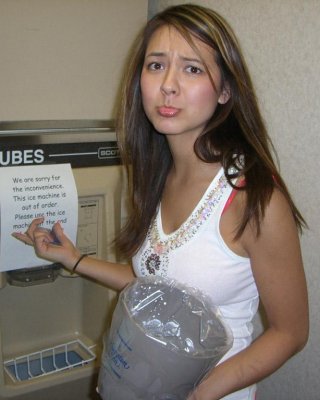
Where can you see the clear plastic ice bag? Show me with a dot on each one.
(163, 339)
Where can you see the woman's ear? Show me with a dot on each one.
(225, 94)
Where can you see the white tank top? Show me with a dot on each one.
(196, 255)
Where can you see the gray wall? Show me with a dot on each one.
(280, 39)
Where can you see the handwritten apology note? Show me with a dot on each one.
(30, 192)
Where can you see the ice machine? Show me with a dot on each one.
(52, 322)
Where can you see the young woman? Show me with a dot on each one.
(209, 207)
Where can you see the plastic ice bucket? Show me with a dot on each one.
(163, 340)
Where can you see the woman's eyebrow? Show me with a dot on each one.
(183, 58)
(189, 59)
(156, 54)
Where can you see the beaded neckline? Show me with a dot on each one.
(160, 245)
(192, 224)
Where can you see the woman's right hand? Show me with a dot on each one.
(52, 245)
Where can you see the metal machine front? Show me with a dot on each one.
(52, 323)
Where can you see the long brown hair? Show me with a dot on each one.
(236, 135)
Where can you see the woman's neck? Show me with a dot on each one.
(187, 166)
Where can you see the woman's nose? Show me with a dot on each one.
(170, 83)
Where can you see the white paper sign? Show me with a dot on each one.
(28, 192)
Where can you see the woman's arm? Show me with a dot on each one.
(55, 246)
(277, 267)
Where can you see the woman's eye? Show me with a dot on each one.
(154, 66)
(193, 70)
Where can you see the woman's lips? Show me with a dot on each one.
(168, 112)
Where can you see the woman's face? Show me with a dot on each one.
(177, 93)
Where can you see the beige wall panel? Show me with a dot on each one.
(62, 59)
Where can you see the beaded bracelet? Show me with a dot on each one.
(77, 263)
